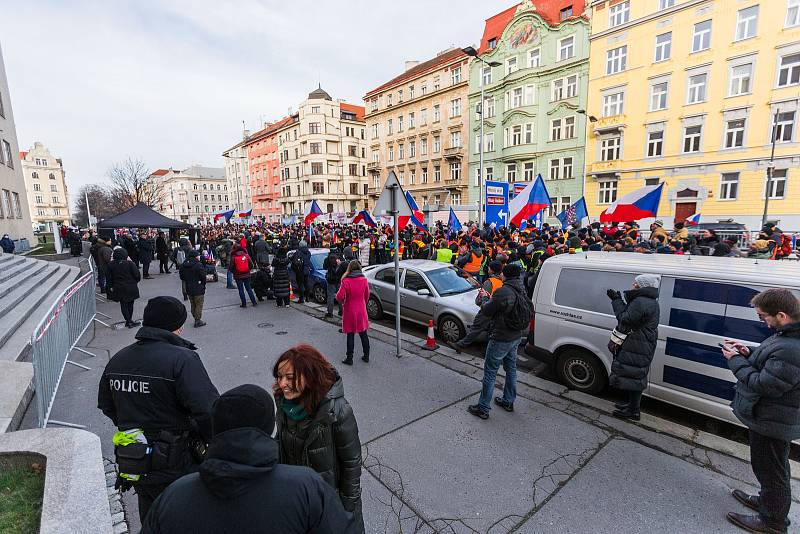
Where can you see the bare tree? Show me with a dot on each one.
(100, 204)
(132, 183)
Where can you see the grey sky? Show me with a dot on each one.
(171, 81)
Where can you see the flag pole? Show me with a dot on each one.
(394, 211)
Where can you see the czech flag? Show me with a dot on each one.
(694, 220)
(529, 202)
(312, 213)
(365, 217)
(639, 204)
(453, 222)
(243, 214)
(417, 217)
(227, 214)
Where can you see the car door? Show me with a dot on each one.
(414, 306)
(383, 286)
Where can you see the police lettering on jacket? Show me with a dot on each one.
(126, 385)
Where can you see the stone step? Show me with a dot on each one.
(10, 285)
(16, 391)
(37, 301)
(5, 257)
(24, 285)
(13, 269)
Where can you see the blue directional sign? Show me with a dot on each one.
(497, 203)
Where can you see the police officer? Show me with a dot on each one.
(160, 386)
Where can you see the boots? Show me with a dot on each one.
(365, 358)
(348, 360)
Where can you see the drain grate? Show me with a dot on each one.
(265, 325)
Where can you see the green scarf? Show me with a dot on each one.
(294, 410)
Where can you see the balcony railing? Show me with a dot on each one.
(609, 123)
(373, 165)
(604, 166)
(455, 152)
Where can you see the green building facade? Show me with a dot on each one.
(535, 118)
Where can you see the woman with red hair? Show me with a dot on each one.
(316, 425)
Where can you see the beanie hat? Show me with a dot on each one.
(192, 253)
(648, 280)
(247, 405)
(658, 222)
(495, 266)
(512, 270)
(166, 313)
(574, 242)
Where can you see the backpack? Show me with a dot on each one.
(785, 246)
(298, 263)
(180, 256)
(519, 314)
(241, 264)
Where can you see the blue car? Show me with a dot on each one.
(317, 284)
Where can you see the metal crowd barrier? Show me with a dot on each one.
(56, 336)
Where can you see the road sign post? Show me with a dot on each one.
(496, 202)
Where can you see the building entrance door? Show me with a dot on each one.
(684, 210)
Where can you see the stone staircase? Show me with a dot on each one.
(28, 287)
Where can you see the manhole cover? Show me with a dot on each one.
(265, 325)
(281, 333)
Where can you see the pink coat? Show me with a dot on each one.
(353, 294)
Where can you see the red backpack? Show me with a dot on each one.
(241, 264)
(786, 246)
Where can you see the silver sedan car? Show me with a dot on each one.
(428, 290)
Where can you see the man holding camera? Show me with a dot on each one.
(767, 401)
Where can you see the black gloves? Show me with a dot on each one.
(613, 294)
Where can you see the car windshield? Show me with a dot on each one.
(451, 281)
(318, 260)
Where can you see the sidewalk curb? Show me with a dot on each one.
(648, 422)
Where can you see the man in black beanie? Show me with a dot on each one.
(241, 487)
(510, 310)
(159, 388)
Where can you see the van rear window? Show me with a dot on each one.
(585, 289)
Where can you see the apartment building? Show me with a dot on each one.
(322, 156)
(15, 217)
(264, 170)
(692, 93)
(45, 186)
(416, 126)
(534, 108)
(237, 174)
(193, 195)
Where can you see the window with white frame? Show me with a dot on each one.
(701, 39)
(741, 77)
(606, 191)
(663, 47)
(534, 58)
(455, 75)
(572, 86)
(516, 135)
(664, 4)
(477, 143)
(555, 130)
(566, 168)
(511, 65)
(437, 144)
(569, 127)
(412, 149)
(658, 96)
(528, 133)
(455, 107)
(789, 70)
(516, 97)
(412, 177)
(613, 104)
(489, 142)
(423, 116)
(489, 173)
(528, 174)
(793, 14)
(400, 123)
(776, 187)
(696, 90)
(566, 48)
(391, 153)
(411, 120)
(455, 199)
(619, 14)
(728, 186)
(389, 127)
(616, 58)
(530, 93)
(423, 179)
(746, 22)
(783, 128)
(400, 151)
(691, 138)
(511, 172)
(486, 75)
(423, 146)
(555, 169)
(610, 148)
(557, 90)
(734, 133)
(437, 173)
(489, 107)
(437, 113)
(455, 139)
(655, 143)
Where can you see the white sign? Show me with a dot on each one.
(384, 204)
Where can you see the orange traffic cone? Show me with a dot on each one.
(430, 342)
(291, 292)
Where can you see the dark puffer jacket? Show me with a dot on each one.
(280, 275)
(767, 399)
(123, 276)
(242, 488)
(331, 447)
(500, 304)
(639, 317)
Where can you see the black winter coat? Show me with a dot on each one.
(241, 488)
(280, 276)
(332, 447)
(261, 252)
(124, 277)
(194, 274)
(162, 249)
(767, 399)
(146, 249)
(499, 305)
(639, 318)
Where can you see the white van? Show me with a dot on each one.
(703, 301)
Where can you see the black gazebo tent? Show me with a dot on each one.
(141, 216)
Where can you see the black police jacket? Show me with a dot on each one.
(158, 383)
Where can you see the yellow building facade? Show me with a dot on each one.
(691, 93)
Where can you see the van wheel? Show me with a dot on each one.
(581, 371)
(374, 308)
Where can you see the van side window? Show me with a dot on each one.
(585, 289)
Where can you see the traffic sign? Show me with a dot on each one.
(497, 203)
(384, 204)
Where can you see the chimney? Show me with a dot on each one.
(410, 64)
(245, 134)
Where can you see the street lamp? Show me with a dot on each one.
(470, 51)
(591, 118)
(770, 168)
